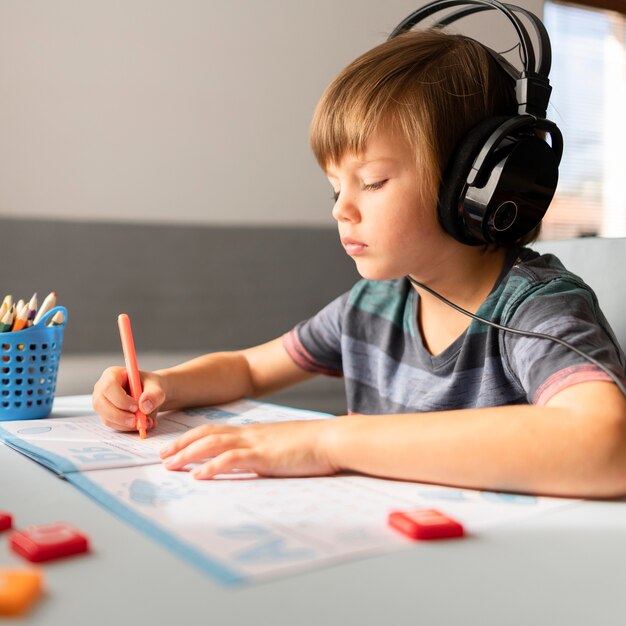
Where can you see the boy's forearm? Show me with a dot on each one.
(517, 448)
(208, 379)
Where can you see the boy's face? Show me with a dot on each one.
(384, 223)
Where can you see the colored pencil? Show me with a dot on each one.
(57, 319)
(132, 370)
(32, 309)
(21, 319)
(7, 321)
(46, 305)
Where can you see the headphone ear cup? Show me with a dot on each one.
(449, 209)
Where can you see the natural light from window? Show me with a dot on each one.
(589, 91)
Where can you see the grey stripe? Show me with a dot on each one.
(537, 359)
(415, 389)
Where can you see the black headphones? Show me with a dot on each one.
(502, 176)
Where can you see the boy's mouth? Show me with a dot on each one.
(352, 246)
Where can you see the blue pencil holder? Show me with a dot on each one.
(29, 363)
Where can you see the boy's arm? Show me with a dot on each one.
(225, 376)
(573, 446)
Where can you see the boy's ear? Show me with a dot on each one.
(500, 180)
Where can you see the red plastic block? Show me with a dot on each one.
(425, 524)
(48, 541)
(19, 588)
(6, 521)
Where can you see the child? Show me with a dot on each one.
(434, 396)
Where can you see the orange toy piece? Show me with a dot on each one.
(19, 588)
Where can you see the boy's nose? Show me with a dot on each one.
(345, 211)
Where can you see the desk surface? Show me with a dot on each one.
(566, 567)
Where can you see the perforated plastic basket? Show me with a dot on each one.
(29, 361)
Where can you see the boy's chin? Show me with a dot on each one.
(373, 273)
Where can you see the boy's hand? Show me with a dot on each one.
(116, 407)
(278, 449)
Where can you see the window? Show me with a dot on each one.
(589, 90)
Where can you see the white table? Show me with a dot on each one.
(566, 567)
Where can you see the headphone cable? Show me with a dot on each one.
(524, 333)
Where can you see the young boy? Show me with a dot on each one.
(434, 396)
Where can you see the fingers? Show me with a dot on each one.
(152, 396)
(200, 449)
(112, 386)
(121, 420)
(117, 408)
(227, 462)
(191, 436)
(113, 417)
(284, 449)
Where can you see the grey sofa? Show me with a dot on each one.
(601, 263)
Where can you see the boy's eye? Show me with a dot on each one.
(374, 186)
(368, 187)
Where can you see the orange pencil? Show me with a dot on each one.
(21, 319)
(134, 379)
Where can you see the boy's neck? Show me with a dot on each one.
(465, 279)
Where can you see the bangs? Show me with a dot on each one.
(345, 119)
(367, 95)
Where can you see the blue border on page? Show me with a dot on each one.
(209, 566)
(44, 457)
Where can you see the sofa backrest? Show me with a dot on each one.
(187, 288)
(198, 288)
(601, 263)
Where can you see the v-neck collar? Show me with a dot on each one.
(441, 359)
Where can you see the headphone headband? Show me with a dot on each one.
(532, 89)
(502, 174)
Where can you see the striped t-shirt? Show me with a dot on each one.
(371, 337)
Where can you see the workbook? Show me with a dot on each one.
(239, 527)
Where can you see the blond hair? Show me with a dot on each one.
(430, 86)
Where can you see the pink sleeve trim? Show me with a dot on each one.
(567, 378)
(303, 358)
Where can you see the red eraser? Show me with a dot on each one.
(6, 521)
(48, 541)
(425, 524)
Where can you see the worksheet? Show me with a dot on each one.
(244, 529)
(82, 443)
(239, 527)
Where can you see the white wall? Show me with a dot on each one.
(188, 111)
